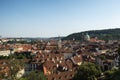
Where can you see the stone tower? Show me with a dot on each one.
(87, 37)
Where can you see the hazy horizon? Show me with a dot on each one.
(52, 36)
(52, 18)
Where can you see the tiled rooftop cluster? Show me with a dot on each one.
(4, 68)
(59, 60)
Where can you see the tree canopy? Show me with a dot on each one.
(87, 71)
(108, 34)
(33, 75)
(113, 74)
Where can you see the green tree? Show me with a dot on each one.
(113, 74)
(33, 75)
(15, 66)
(87, 71)
(23, 79)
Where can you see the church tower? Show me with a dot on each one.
(87, 37)
(59, 43)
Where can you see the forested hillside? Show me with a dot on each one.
(107, 34)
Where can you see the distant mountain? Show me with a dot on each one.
(55, 38)
(106, 34)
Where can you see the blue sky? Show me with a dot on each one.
(49, 18)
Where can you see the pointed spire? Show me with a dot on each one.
(59, 43)
(87, 37)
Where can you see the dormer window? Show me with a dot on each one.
(53, 59)
(57, 65)
(57, 58)
(60, 61)
(61, 58)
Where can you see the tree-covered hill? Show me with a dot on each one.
(107, 34)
